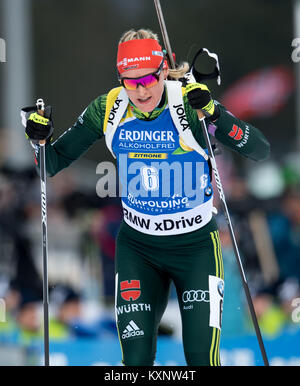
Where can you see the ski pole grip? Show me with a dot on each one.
(40, 110)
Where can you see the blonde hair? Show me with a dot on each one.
(142, 33)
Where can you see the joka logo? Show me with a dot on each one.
(114, 110)
(130, 290)
(236, 133)
(181, 116)
(132, 330)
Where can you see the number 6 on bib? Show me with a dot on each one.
(150, 179)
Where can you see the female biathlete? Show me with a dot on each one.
(151, 127)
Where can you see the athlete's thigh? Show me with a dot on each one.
(142, 292)
(200, 294)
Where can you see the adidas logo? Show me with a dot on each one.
(132, 330)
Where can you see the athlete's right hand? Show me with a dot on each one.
(37, 127)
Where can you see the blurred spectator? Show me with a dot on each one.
(284, 225)
(273, 300)
(241, 203)
(270, 315)
(68, 312)
(105, 227)
(274, 306)
(22, 320)
(17, 263)
(234, 318)
(268, 236)
(69, 321)
(29, 319)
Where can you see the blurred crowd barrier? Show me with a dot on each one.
(263, 200)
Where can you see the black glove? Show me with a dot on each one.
(37, 127)
(200, 99)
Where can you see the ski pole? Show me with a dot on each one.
(40, 109)
(233, 239)
(201, 117)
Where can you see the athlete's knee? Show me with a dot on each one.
(202, 359)
(138, 359)
(138, 352)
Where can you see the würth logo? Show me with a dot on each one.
(130, 290)
(236, 133)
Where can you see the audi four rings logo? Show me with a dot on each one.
(195, 296)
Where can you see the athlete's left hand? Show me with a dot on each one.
(199, 98)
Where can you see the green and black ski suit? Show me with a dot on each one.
(165, 236)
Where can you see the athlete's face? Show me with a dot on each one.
(146, 99)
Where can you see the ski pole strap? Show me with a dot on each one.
(214, 74)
